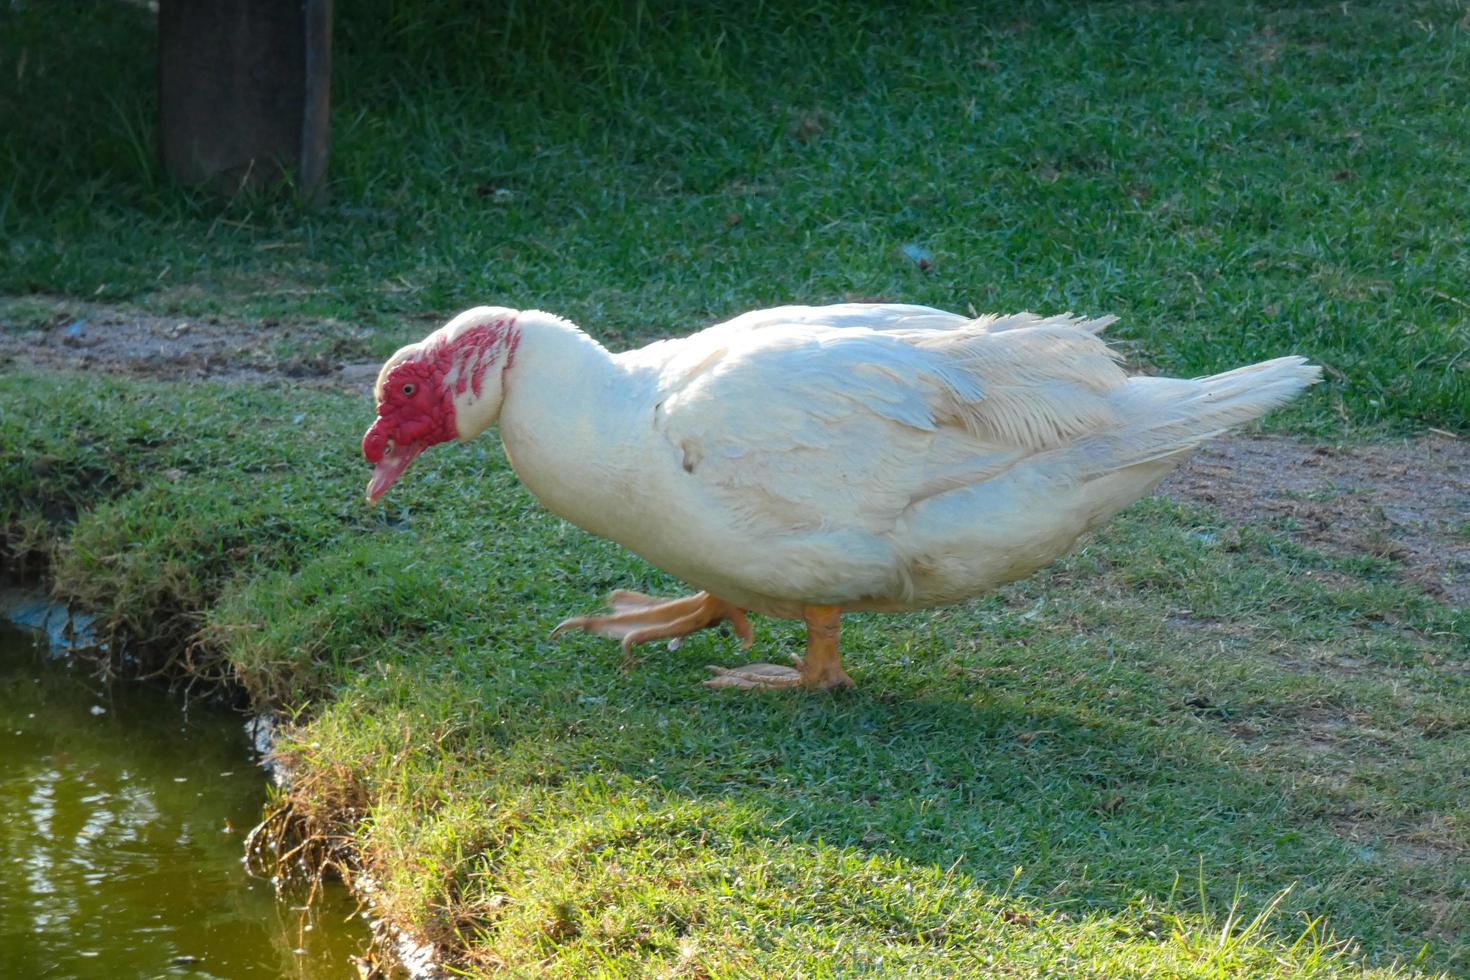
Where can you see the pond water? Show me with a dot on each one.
(123, 813)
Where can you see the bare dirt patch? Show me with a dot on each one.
(175, 348)
(1407, 500)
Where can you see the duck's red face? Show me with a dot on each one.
(458, 368)
(415, 411)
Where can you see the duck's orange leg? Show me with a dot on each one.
(821, 667)
(637, 618)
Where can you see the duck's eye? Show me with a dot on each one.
(408, 388)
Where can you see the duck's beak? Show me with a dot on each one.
(389, 457)
(390, 467)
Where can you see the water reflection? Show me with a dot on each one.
(122, 820)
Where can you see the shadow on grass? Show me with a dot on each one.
(1068, 805)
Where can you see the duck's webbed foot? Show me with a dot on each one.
(637, 618)
(820, 668)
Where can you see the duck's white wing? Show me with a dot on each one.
(807, 418)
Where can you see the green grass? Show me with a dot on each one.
(1237, 180)
(1179, 752)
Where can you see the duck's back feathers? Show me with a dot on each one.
(862, 316)
(1022, 380)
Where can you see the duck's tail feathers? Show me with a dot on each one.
(1236, 397)
(1171, 415)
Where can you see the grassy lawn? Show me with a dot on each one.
(1191, 749)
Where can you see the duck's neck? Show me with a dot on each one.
(553, 359)
(563, 407)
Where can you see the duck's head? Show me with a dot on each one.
(447, 386)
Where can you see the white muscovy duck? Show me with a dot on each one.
(803, 462)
